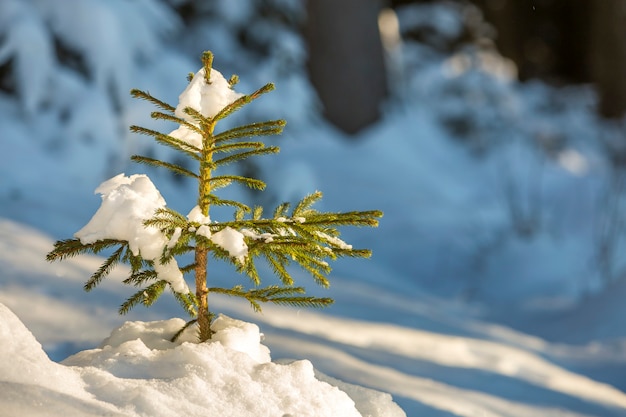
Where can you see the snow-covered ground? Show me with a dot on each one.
(429, 354)
(493, 289)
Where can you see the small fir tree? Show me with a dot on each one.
(134, 222)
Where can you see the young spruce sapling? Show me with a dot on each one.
(134, 223)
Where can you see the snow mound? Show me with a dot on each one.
(137, 371)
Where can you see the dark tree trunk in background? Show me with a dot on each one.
(547, 39)
(346, 61)
(566, 41)
(608, 55)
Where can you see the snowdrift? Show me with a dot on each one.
(137, 371)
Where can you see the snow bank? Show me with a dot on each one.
(137, 371)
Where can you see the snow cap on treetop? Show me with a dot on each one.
(207, 99)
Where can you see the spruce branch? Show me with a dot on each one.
(182, 330)
(166, 212)
(281, 210)
(164, 220)
(146, 296)
(278, 262)
(135, 93)
(233, 146)
(177, 169)
(69, 248)
(105, 269)
(207, 63)
(244, 155)
(275, 295)
(272, 127)
(257, 213)
(225, 180)
(140, 277)
(202, 121)
(157, 115)
(169, 141)
(305, 204)
(188, 302)
(240, 102)
(216, 201)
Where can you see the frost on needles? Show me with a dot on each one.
(135, 224)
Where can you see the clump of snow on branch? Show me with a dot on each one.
(232, 241)
(333, 240)
(207, 99)
(127, 202)
(228, 238)
(195, 215)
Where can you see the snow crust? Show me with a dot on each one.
(208, 99)
(127, 202)
(137, 371)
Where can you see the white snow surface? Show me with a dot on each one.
(441, 363)
(137, 371)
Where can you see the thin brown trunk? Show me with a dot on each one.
(204, 190)
(204, 320)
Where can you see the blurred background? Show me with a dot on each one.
(490, 132)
